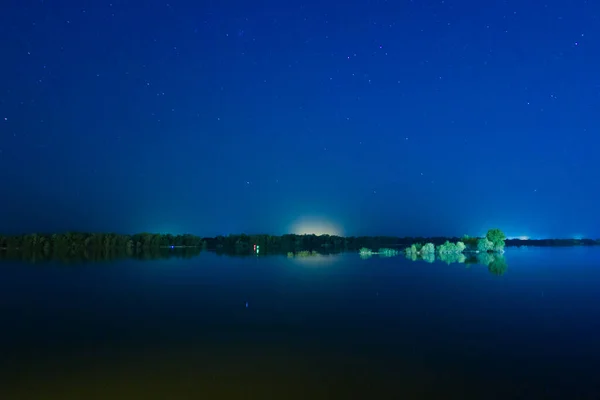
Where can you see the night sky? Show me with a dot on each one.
(353, 118)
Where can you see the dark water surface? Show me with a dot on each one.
(217, 327)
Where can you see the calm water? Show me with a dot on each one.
(275, 328)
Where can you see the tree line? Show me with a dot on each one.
(493, 241)
(73, 243)
(78, 246)
(78, 241)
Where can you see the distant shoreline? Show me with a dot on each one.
(84, 247)
(76, 242)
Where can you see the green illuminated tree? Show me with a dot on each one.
(428, 248)
(497, 237)
(451, 248)
(484, 245)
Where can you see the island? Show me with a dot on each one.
(487, 250)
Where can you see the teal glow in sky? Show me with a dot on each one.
(317, 226)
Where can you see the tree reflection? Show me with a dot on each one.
(451, 258)
(498, 266)
(427, 257)
(485, 258)
(495, 262)
(98, 255)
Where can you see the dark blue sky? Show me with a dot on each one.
(360, 117)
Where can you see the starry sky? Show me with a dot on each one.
(354, 118)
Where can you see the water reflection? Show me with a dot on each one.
(452, 258)
(383, 328)
(77, 256)
(312, 258)
(429, 257)
(495, 262)
(386, 252)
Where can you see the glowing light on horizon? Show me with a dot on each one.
(316, 226)
(524, 237)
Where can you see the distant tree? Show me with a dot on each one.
(451, 248)
(365, 251)
(469, 241)
(497, 237)
(412, 250)
(446, 248)
(484, 245)
(428, 248)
